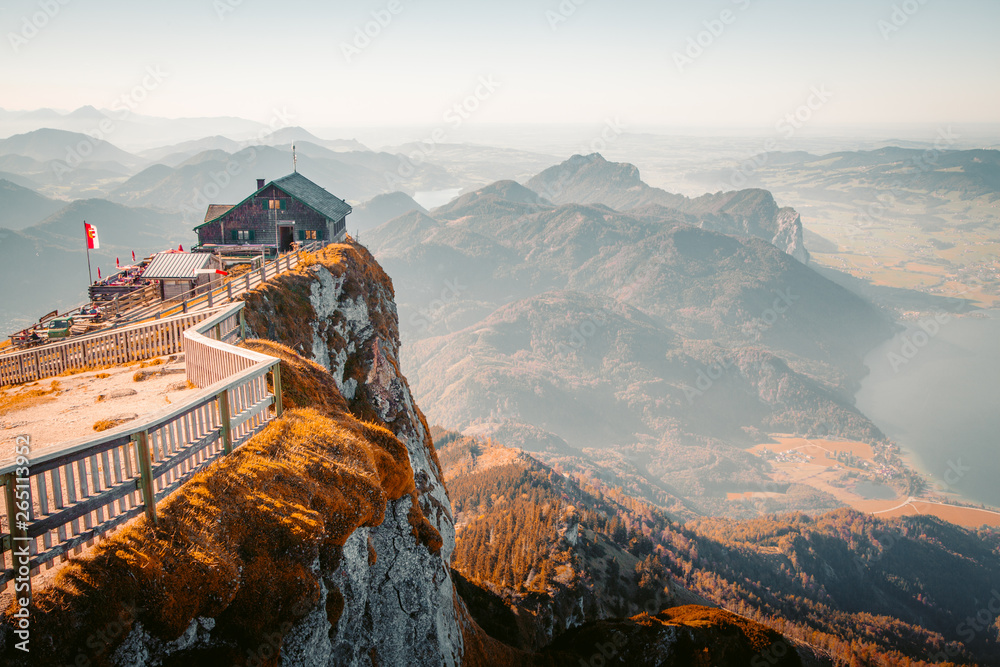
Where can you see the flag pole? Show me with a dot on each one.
(90, 275)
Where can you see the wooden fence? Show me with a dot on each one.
(107, 348)
(62, 497)
(110, 347)
(203, 297)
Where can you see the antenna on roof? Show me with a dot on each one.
(295, 160)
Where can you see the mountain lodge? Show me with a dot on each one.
(287, 210)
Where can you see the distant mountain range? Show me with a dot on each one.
(593, 180)
(43, 266)
(640, 343)
(381, 209)
(216, 176)
(966, 173)
(21, 207)
(132, 130)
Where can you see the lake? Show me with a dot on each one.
(933, 389)
(433, 198)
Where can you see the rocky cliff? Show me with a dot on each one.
(399, 604)
(324, 540)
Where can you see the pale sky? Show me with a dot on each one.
(602, 59)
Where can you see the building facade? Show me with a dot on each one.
(285, 211)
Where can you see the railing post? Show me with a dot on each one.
(218, 331)
(278, 406)
(227, 427)
(243, 326)
(229, 291)
(18, 535)
(146, 472)
(211, 298)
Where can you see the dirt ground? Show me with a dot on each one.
(56, 411)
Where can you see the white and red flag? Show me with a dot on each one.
(93, 243)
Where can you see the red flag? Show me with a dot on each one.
(98, 273)
(133, 256)
(180, 247)
(92, 241)
(117, 265)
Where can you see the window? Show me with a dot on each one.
(243, 235)
(278, 204)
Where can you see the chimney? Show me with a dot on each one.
(260, 183)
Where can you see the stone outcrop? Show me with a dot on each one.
(323, 540)
(398, 599)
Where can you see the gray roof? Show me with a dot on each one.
(297, 186)
(177, 265)
(313, 196)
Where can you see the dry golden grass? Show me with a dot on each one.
(102, 376)
(107, 424)
(27, 396)
(84, 369)
(237, 542)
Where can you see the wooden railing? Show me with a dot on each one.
(105, 348)
(62, 497)
(27, 364)
(228, 290)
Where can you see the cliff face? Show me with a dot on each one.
(399, 605)
(324, 540)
